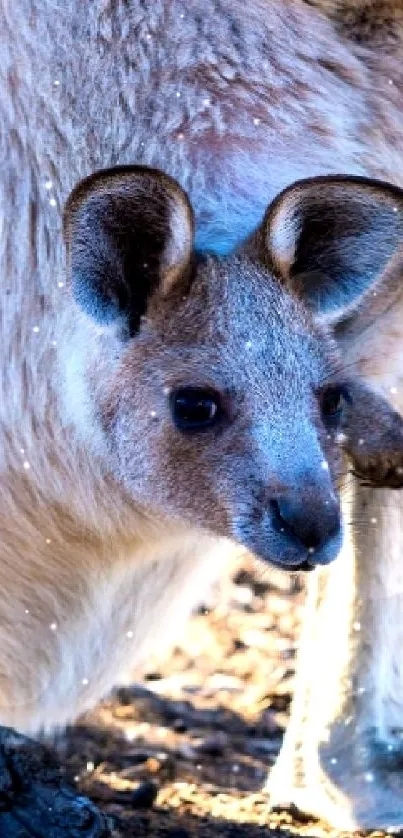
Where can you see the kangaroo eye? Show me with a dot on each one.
(332, 403)
(194, 409)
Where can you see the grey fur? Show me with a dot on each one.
(105, 528)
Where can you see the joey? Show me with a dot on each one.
(201, 371)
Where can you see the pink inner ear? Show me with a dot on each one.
(281, 237)
(179, 243)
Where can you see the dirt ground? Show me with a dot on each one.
(185, 752)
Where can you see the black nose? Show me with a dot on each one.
(312, 521)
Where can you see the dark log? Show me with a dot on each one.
(35, 800)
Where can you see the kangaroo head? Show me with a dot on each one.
(215, 384)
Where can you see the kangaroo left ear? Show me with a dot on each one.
(372, 437)
(330, 239)
(128, 233)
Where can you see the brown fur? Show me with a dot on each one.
(371, 23)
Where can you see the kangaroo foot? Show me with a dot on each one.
(355, 784)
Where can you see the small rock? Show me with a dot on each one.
(242, 595)
(186, 751)
(152, 676)
(124, 695)
(254, 638)
(202, 611)
(222, 681)
(269, 746)
(213, 746)
(270, 722)
(239, 645)
(153, 765)
(286, 624)
(137, 757)
(145, 795)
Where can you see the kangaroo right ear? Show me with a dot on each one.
(330, 239)
(128, 231)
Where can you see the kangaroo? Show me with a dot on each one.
(193, 368)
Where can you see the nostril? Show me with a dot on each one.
(285, 521)
(310, 538)
(279, 523)
(310, 526)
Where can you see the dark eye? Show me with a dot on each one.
(332, 403)
(194, 409)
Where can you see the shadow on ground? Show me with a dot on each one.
(188, 752)
(170, 825)
(160, 767)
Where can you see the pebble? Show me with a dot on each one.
(213, 746)
(124, 696)
(254, 638)
(277, 605)
(186, 751)
(242, 595)
(145, 795)
(221, 681)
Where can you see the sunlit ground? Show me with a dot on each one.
(186, 751)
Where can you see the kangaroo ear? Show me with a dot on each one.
(128, 232)
(331, 238)
(372, 437)
(336, 242)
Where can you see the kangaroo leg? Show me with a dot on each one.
(342, 756)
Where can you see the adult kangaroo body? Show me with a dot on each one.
(236, 106)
